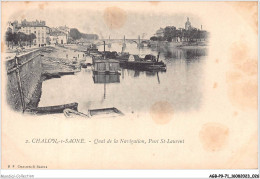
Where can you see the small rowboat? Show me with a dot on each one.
(105, 111)
(71, 113)
(53, 109)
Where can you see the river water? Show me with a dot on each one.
(134, 91)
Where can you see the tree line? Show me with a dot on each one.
(19, 38)
(75, 34)
(178, 35)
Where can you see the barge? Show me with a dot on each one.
(106, 66)
(149, 63)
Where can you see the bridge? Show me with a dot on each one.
(139, 42)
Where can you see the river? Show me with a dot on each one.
(134, 91)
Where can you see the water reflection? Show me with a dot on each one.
(182, 53)
(106, 78)
(135, 91)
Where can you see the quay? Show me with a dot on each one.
(23, 79)
(26, 73)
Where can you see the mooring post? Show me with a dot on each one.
(19, 83)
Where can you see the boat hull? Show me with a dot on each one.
(104, 111)
(146, 66)
(53, 109)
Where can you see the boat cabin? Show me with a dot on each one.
(147, 58)
(92, 49)
(106, 66)
(150, 58)
(134, 58)
(110, 55)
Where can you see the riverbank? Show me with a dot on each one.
(58, 59)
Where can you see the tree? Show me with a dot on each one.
(21, 38)
(186, 35)
(48, 40)
(160, 38)
(89, 36)
(15, 38)
(8, 37)
(204, 35)
(32, 36)
(27, 39)
(75, 34)
(154, 38)
(170, 33)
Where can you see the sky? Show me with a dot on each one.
(100, 21)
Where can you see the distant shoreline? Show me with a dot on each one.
(180, 45)
(192, 47)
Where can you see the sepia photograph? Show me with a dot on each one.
(108, 71)
(129, 85)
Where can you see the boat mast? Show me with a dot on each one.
(105, 90)
(109, 43)
(104, 49)
(124, 45)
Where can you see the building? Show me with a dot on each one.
(160, 32)
(58, 37)
(41, 33)
(188, 24)
(32, 23)
(13, 26)
(64, 29)
(10, 27)
(38, 28)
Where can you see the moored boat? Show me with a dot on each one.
(104, 65)
(92, 49)
(149, 63)
(53, 109)
(104, 112)
(107, 66)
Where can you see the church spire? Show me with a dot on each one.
(188, 24)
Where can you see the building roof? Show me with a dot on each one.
(57, 33)
(34, 26)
